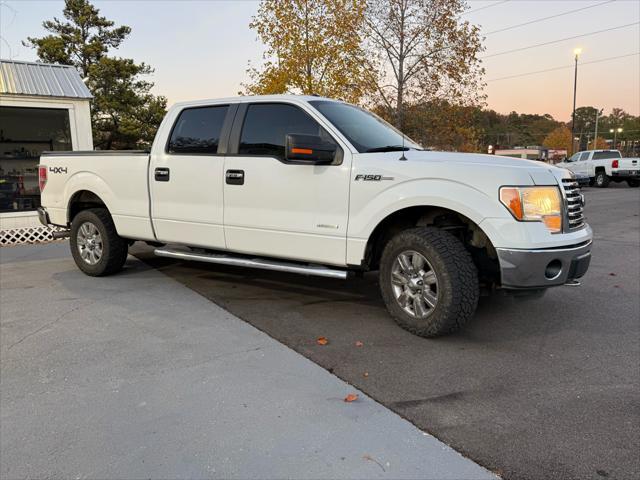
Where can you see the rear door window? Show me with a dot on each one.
(197, 130)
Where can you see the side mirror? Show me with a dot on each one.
(311, 149)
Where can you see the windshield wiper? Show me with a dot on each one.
(388, 148)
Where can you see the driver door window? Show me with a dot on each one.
(266, 126)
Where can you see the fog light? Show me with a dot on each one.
(553, 270)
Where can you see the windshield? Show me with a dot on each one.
(366, 131)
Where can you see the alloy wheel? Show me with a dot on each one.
(89, 243)
(415, 284)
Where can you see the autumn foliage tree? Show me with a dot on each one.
(598, 144)
(312, 47)
(423, 53)
(559, 139)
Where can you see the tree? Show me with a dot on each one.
(598, 143)
(313, 47)
(559, 139)
(423, 52)
(82, 40)
(439, 125)
(124, 113)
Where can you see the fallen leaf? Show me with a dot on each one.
(322, 341)
(352, 397)
(371, 459)
(612, 274)
(359, 344)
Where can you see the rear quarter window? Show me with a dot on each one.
(197, 130)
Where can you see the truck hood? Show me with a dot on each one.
(475, 159)
(468, 168)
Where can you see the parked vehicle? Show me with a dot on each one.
(319, 187)
(604, 166)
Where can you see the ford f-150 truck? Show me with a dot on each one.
(604, 166)
(315, 186)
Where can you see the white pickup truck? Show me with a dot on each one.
(604, 166)
(314, 186)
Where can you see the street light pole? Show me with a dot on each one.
(577, 52)
(615, 136)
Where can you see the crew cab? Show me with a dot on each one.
(315, 186)
(604, 166)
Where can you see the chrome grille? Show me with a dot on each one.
(575, 213)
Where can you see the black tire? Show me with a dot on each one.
(457, 281)
(114, 248)
(633, 183)
(602, 180)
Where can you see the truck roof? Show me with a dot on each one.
(252, 98)
(600, 150)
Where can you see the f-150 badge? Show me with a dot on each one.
(372, 178)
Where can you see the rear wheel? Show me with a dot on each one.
(95, 245)
(602, 180)
(428, 281)
(634, 183)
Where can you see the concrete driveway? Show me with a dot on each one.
(530, 389)
(135, 376)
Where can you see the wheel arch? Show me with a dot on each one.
(473, 237)
(83, 200)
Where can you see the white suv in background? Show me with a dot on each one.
(603, 166)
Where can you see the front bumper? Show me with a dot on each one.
(541, 268)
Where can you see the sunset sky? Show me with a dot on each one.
(200, 49)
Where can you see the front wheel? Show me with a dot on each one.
(633, 183)
(95, 245)
(602, 180)
(428, 281)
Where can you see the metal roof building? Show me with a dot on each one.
(42, 107)
(41, 79)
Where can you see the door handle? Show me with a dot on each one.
(162, 174)
(235, 177)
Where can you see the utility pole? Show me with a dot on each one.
(577, 52)
(595, 135)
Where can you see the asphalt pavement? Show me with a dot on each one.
(531, 389)
(135, 376)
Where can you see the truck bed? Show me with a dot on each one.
(118, 178)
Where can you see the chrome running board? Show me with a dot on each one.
(264, 264)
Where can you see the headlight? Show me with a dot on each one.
(534, 204)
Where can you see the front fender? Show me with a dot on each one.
(367, 210)
(367, 213)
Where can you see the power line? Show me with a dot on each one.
(485, 7)
(547, 18)
(559, 40)
(563, 67)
